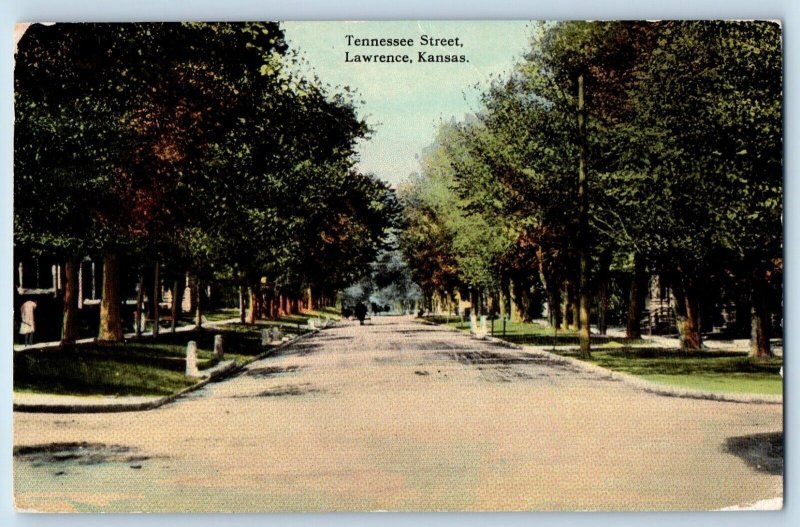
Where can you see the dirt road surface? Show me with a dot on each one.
(398, 415)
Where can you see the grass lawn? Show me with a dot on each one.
(701, 370)
(136, 367)
(530, 333)
(216, 315)
(732, 372)
(105, 369)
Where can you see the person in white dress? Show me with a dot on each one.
(28, 325)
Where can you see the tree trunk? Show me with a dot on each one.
(198, 303)
(567, 307)
(473, 301)
(309, 299)
(634, 329)
(175, 302)
(525, 304)
(602, 312)
(138, 311)
(759, 321)
(110, 313)
(501, 299)
(274, 306)
(69, 328)
(251, 313)
(603, 290)
(554, 307)
(516, 313)
(242, 307)
(156, 294)
(576, 307)
(261, 308)
(687, 316)
(692, 339)
(194, 288)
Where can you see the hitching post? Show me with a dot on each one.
(191, 359)
(219, 347)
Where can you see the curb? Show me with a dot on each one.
(263, 355)
(222, 371)
(631, 380)
(122, 407)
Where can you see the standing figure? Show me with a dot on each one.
(361, 312)
(28, 325)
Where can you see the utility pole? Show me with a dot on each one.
(583, 227)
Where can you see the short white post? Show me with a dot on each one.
(473, 324)
(191, 359)
(219, 347)
(266, 337)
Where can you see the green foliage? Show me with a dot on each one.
(389, 283)
(196, 144)
(448, 241)
(684, 163)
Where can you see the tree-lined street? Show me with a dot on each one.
(190, 198)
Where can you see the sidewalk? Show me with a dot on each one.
(740, 345)
(179, 329)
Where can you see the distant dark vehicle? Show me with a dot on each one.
(347, 312)
(361, 312)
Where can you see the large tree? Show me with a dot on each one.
(191, 143)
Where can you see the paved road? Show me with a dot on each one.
(399, 416)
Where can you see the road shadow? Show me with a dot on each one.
(270, 371)
(78, 454)
(289, 390)
(763, 452)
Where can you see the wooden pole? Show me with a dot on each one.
(583, 227)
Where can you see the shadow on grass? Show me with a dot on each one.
(137, 367)
(71, 373)
(239, 339)
(532, 333)
(659, 361)
(763, 452)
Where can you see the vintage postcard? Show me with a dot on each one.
(398, 266)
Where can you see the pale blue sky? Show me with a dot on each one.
(404, 103)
